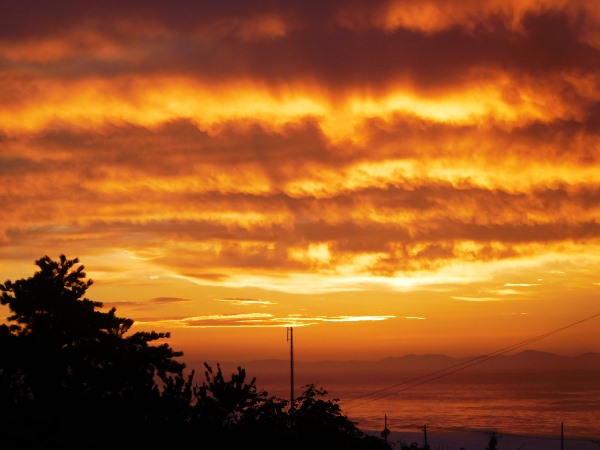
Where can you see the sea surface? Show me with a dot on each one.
(510, 408)
(535, 409)
(523, 396)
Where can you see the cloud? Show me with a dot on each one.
(167, 300)
(146, 67)
(277, 140)
(145, 304)
(294, 41)
(255, 320)
(247, 302)
(125, 304)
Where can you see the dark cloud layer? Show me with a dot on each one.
(193, 40)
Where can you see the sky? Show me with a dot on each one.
(387, 177)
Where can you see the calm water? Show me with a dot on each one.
(523, 409)
(516, 409)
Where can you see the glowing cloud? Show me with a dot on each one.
(416, 158)
(255, 320)
(247, 302)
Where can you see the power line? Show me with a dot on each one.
(432, 376)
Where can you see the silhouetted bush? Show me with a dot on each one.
(73, 377)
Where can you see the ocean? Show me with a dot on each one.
(471, 411)
(530, 394)
(510, 408)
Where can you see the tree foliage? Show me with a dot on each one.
(66, 363)
(74, 376)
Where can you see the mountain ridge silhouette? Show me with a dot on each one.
(525, 366)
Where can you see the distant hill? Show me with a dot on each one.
(526, 366)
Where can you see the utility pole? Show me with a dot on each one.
(290, 338)
(425, 445)
(493, 441)
(386, 432)
(562, 436)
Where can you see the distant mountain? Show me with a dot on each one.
(526, 366)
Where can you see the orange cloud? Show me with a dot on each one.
(256, 320)
(241, 150)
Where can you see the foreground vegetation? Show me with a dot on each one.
(74, 377)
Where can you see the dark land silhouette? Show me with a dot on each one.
(523, 367)
(74, 377)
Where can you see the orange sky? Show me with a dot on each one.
(388, 177)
